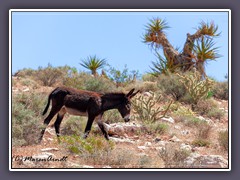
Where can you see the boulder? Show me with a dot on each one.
(170, 119)
(174, 139)
(196, 160)
(122, 129)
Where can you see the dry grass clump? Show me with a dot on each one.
(223, 139)
(173, 156)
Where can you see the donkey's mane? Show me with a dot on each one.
(113, 95)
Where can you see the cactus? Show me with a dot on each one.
(197, 87)
(146, 108)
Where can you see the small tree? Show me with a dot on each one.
(197, 50)
(121, 77)
(93, 63)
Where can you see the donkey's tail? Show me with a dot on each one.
(49, 98)
(48, 103)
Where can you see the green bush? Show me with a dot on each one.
(77, 80)
(92, 145)
(99, 84)
(94, 150)
(74, 125)
(171, 85)
(88, 82)
(26, 118)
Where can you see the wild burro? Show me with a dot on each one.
(86, 103)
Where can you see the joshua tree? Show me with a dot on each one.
(197, 49)
(93, 63)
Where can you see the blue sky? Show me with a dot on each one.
(65, 38)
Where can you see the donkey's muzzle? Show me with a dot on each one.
(127, 118)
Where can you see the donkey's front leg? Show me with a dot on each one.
(102, 127)
(89, 126)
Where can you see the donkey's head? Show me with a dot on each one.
(125, 107)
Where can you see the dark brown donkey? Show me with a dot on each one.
(86, 103)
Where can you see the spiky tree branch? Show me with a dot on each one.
(189, 58)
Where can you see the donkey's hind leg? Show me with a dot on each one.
(58, 121)
(52, 113)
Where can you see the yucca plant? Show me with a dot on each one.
(93, 63)
(155, 34)
(205, 51)
(198, 48)
(209, 29)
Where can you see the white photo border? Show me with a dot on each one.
(118, 10)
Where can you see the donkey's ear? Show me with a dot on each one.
(130, 93)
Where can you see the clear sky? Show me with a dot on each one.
(65, 38)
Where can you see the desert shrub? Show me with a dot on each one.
(149, 77)
(77, 81)
(201, 142)
(191, 121)
(31, 101)
(146, 108)
(204, 106)
(173, 156)
(171, 85)
(125, 158)
(92, 145)
(99, 84)
(122, 159)
(142, 86)
(155, 128)
(223, 139)
(209, 108)
(26, 72)
(112, 116)
(94, 150)
(145, 162)
(181, 112)
(204, 130)
(196, 87)
(216, 113)
(28, 82)
(74, 125)
(49, 76)
(220, 90)
(86, 81)
(122, 78)
(26, 118)
(202, 127)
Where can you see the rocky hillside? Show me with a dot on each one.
(177, 137)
